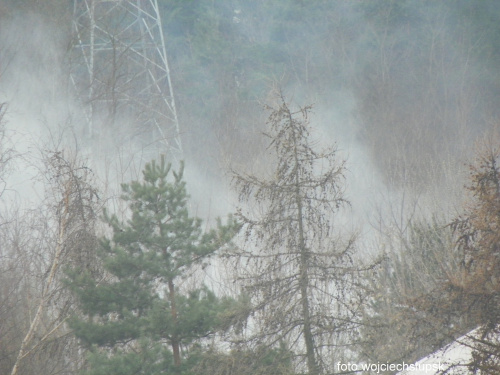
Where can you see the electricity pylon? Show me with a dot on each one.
(120, 68)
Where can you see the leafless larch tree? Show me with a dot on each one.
(300, 273)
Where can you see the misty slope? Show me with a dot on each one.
(412, 84)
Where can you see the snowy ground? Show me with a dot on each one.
(451, 359)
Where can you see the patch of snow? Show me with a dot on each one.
(450, 360)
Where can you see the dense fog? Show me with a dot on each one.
(405, 92)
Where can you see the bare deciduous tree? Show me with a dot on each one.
(67, 217)
(301, 275)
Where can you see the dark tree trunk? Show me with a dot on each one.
(304, 277)
(175, 340)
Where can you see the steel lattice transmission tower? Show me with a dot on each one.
(120, 68)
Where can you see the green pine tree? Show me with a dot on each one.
(136, 319)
